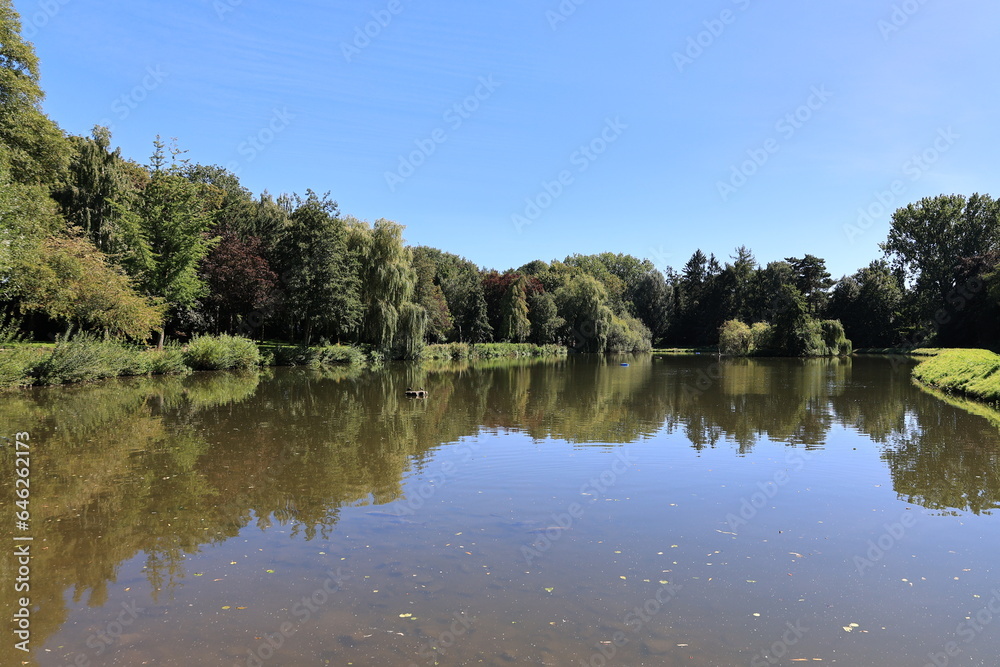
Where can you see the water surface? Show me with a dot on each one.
(677, 511)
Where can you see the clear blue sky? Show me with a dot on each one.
(294, 96)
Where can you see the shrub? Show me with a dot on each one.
(15, 367)
(214, 353)
(627, 334)
(835, 339)
(735, 338)
(168, 361)
(84, 358)
(761, 337)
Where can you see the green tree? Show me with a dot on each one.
(928, 239)
(172, 218)
(387, 278)
(514, 323)
(97, 179)
(544, 317)
(812, 280)
(430, 295)
(69, 279)
(319, 276)
(583, 304)
(34, 147)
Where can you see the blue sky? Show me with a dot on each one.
(517, 130)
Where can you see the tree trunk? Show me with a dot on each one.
(160, 336)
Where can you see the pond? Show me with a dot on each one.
(675, 511)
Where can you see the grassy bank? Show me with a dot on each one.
(491, 351)
(686, 351)
(962, 371)
(85, 358)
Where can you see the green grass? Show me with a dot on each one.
(684, 351)
(968, 372)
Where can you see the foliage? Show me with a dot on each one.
(83, 358)
(240, 282)
(15, 366)
(225, 352)
(328, 355)
(735, 338)
(386, 280)
(318, 277)
(975, 373)
(171, 217)
(68, 279)
(33, 146)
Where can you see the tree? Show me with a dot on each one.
(34, 147)
(97, 179)
(582, 303)
(319, 276)
(544, 317)
(928, 239)
(868, 304)
(514, 323)
(69, 279)
(812, 280)
(387, 278)
(737, 281)
(172, 218)
(652, 301)
(241, 284)
(430, 295)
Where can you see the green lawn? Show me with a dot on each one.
(965, 371)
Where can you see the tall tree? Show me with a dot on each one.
(812, 280)
(928, 239)
(32, 145)
(172, 218)
(319, 277)
(515, 325)
(387, 278)
(97, 179)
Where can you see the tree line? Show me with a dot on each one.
(93, 241)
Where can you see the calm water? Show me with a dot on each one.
(677, 511)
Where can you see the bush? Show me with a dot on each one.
(735, 338)
(328, 355)
(225, 352)
(627, 334)
(84, 358)
(761, 337)
(835, 339)
(168, 361)
(15, 367)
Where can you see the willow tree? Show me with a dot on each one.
(386, 278)
(514, 323)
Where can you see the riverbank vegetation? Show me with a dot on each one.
(92, 241)
(974, 373)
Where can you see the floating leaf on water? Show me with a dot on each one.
(405, 615)
(549, 589)
(270, 571)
